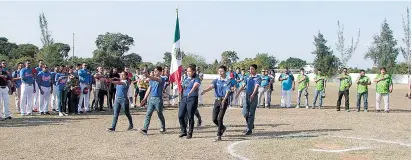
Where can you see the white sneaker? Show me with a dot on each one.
(307, 107)
(61, 114)
(297, 106)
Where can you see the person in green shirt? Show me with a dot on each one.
(303, 84)
(345, 84)
(320, 81)
(362, 88)
(384, 86)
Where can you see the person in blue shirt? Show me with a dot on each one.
(251, 83)
(232, 75)
(60, 82)
(17, 84)
(121, 101)
(264, 89)
(155, 90)
(239, 84)
(223, 88)
(53, 101)
(189, 102)
(37, 95)
(28, 87)
(45, 82)
(288, 84)
(85, 82)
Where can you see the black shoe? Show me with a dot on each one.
(110, 129)
(144, 132)
(162, 130)
(337, 109)
(253, 127)
(102, 110)
(88, 111)
(48, 113)
(8, 117)
(130, 128)
(41, 113)
(54, 110)
(199, 123)
(248, 133)
(218, 138)
(182, 135)
(223, 130)
(81, 112)
(189, 136)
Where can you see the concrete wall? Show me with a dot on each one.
(397, 78)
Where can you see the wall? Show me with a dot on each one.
(397, 78)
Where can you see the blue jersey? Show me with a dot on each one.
(84, 76)
(265, 81)
(44, 79)
(222, 86)
(251, 82)
(121, 90)
(16, 74)
(27, 76)
(156, 88)
(287, 84)
(61, 80)
(188, 84)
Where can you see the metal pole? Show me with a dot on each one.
(73, 49)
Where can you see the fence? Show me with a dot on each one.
(397, 78)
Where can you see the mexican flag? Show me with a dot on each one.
(176, 63)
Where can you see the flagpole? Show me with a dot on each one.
(179, 95)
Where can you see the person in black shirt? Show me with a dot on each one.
(114, 76)
(4, 94)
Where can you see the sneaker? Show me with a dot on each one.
(47, 113)
(110, 129)
(54, 110)
(337, 109)
(143, 131)
(223, 130)
(297, 106)
(347, 110)
(41, 113)
(320, 107)
(378, 110)
(162, 130)
(248, 133)
(218, 138)
(199, 123)
(182, 135)
(130, 128)
(386, 111)
(61, 114)
(313, 107)
(307, 107)
(189, 136)
(7, 117)
(357, 110)
(365, 110)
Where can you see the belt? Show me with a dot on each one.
(2, 87)
(27, 84)
(219, 98)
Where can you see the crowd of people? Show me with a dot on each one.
(68, 89)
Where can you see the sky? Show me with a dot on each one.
(282, 29)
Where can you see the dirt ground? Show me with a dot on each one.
(280, 133)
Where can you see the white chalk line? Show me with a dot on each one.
(376, 140)
(341, 150)
(232, 151)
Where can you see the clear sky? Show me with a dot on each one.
(282, 29)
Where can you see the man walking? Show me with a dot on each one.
(223, 87)
(155, 91)
(384, 87)
(17, 84)
(200, 74)
(4, 94)
(252, 83)
(44, 81)
(345, 84)
(288, 84)
(84, 78)
(320, 81)
(303, 84)
(28, 87)
(363, 82)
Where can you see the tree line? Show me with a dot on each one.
(112, 51)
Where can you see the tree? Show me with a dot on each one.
(292, 63)
(25, 50)
(6, 48)
(383, 51)
(264, 61)
(245, 64)
(54, 54)
(110, 49)
(346, 53)
(324, 58)
(46, 38)
(212, 68)
(193, 59)
(150, 66)
(229, 57)
(402, 68)
(132, 60)
(167, 58)
(406, 52)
